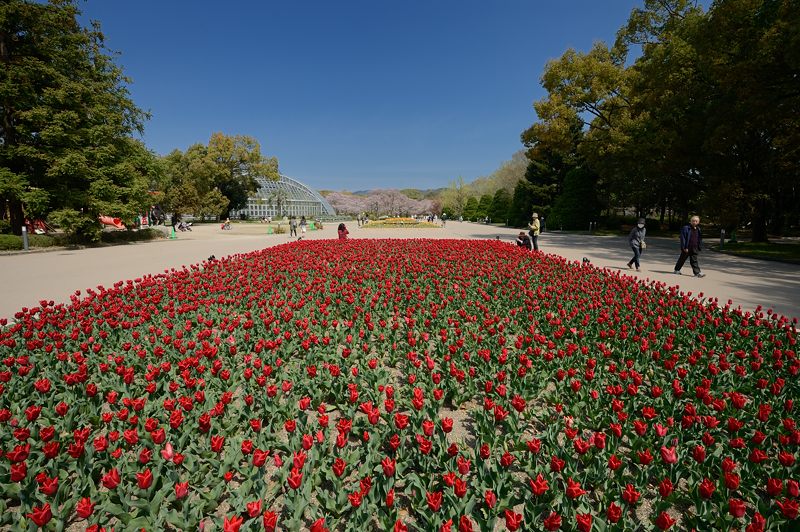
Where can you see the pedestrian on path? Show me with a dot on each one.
(292, 226)
(637, 243)
(691, 244)
(534, 230)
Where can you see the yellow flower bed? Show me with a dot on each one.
(400, 222)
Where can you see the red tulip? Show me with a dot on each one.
(789, 508)
(574, 489)
(552, 521)
(434, 500)
(584, 522)
(613, 513)
(665, 488)
(630, 495)
(390, 498)
(145, 479)
(181, 490)
(260, 457)
(355, 499)
(732, 481)
(253, 508)
(513, 520)
(232, 524)
(706, 488)
(49, 486)
(217, 443)
(84, 508)
(111, 479)
(539, 486)
(388, 467)
(664, 521)
(490, 499)
(669, 455)
(295, 478)
(270, 521)
(736, 507)
(40, 515)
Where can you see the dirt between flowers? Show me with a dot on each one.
(406, 384)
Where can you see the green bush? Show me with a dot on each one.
(45, 241)
(9, 242)
(118, 237)
(13, 242)
(81, 228)
(616, 222)
(5, 227)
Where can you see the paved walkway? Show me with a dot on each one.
(27, 278)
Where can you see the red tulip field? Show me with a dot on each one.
(397, 385)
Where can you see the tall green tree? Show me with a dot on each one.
(703, 119)
(484, 206)
(750, 49)
(552, 152)
(471, 208)
(213, 179)
(656, 158)
(506, 176)
(238, 162)
(454, 198)
(577, 205)
(501, 203)
(520, 209)
(66, 122)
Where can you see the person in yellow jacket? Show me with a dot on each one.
(534, 230)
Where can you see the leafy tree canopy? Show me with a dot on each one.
(213, 179)
(703, 119)
(67, 122)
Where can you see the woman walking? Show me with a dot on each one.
(636, 241)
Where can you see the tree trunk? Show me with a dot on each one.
(759, 222)
(759, 230)
(16, 216)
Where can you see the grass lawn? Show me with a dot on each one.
(784, 251)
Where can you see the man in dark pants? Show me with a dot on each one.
(691, 244)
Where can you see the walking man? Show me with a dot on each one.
(691, 244)
(292, 226)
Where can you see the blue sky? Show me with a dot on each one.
(350, 94)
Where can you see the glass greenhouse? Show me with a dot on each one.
(285, 197)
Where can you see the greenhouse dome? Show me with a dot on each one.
(285, 197)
